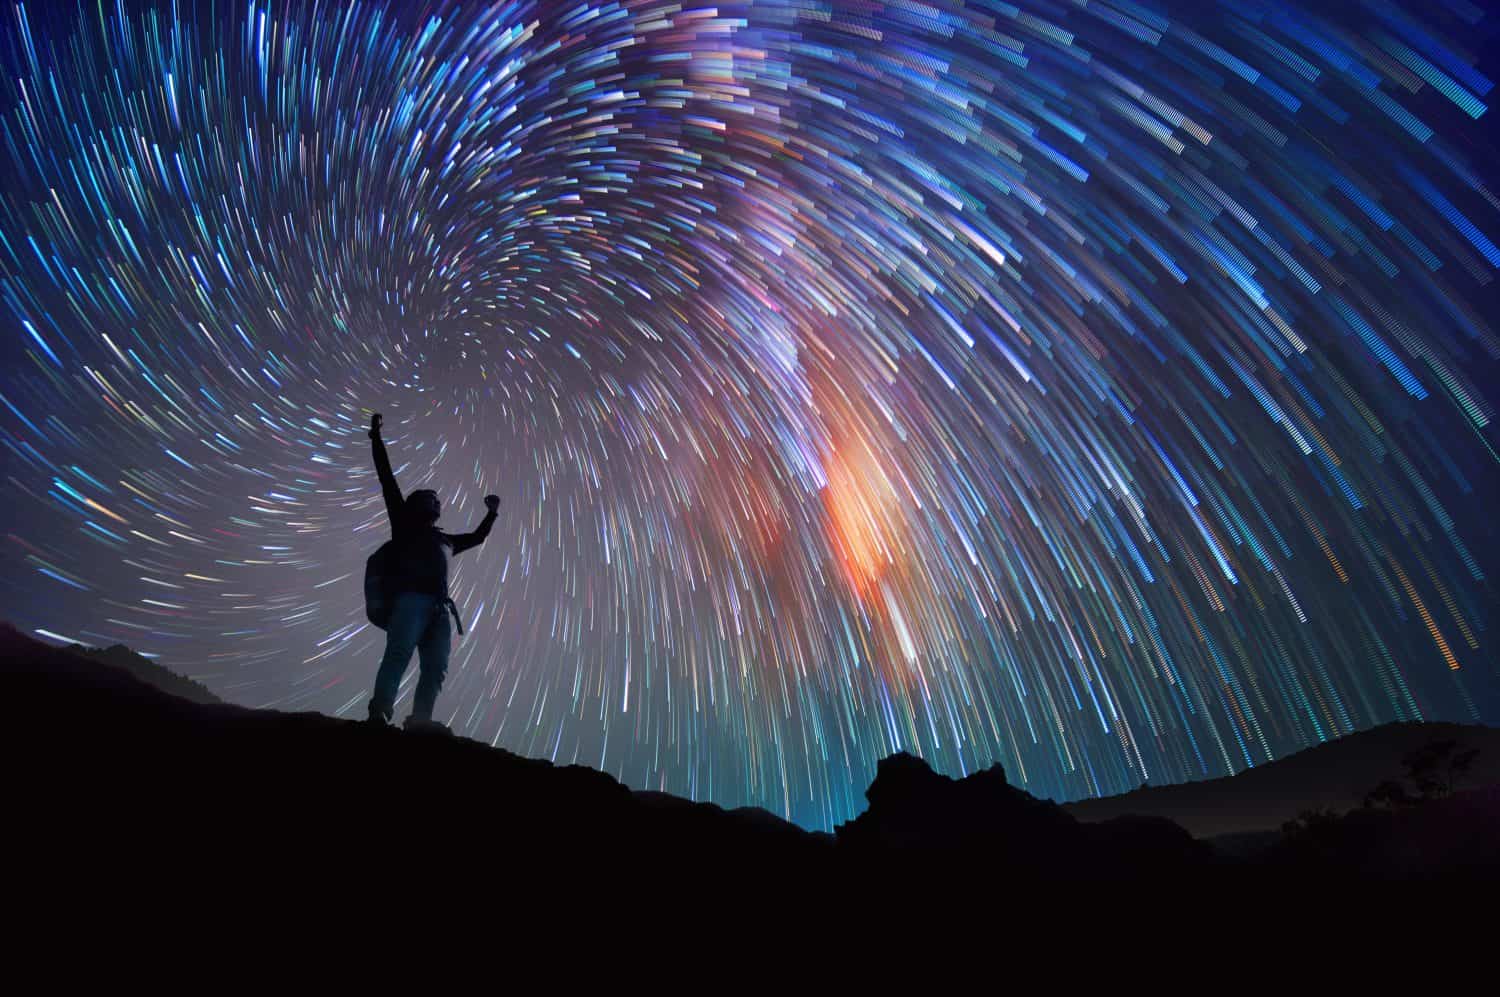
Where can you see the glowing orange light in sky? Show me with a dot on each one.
(862, 508)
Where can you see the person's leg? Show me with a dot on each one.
(432, 658)
(409, 616)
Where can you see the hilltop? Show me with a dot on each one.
(123, 778)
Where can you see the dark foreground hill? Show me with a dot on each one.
(111, 776)
(1333, 776)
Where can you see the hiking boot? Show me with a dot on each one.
(426, 726)
(378, 718)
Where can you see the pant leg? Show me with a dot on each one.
(409, 616)
(432, 657)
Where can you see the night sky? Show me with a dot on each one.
(1105, 389)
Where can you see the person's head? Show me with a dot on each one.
(423, 505)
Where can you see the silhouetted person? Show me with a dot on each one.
(419, 614)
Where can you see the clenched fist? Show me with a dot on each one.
(375, 421)
(491, 501)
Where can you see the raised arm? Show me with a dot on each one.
(388, 486)
(463, 541)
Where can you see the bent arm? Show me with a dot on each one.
(388, 486)
(463, 541)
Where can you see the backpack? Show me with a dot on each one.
(380, 584)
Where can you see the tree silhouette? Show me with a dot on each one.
(1433, 770)
(1436, 767)
(1312, 822)
(1391, 794)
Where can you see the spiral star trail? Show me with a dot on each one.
(1102, 389)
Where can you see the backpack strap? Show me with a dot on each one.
(448, 602)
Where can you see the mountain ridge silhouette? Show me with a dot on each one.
(151, 672)
(1334, 775)
(205, 784)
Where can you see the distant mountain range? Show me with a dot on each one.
(119, 775)
(1333, 776)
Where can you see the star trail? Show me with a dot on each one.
(1104, 389)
